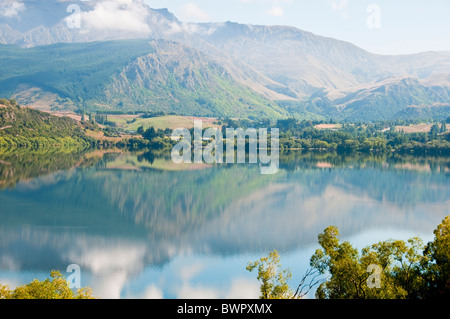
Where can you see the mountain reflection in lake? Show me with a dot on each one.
(139, 226)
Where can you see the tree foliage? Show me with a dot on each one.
(54, 288)
(274, 279)
(391, 269)
(438, 261)
(25, 128)
(363, 138)
(409, 269)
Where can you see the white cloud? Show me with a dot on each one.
(110, 264)
(99, 260)
(276, 11)
(109, 285)
(153, 292)
(117, 15)
(188, 291)
(340, 6)
(11, 8)
(242, 288)
(192, 28)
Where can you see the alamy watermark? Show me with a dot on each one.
(374, 280)
(74, 279)
(238, 146)
(74, 20)
(374, 19)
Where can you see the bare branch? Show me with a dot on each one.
(305, 287)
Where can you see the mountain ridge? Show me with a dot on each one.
(276, 65)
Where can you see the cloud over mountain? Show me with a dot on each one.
(11, 8)
(117, 15)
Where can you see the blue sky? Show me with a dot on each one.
(379, 26)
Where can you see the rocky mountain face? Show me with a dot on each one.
(267, 66)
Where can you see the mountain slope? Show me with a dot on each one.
(298, 59)
(387, 100)
(73, 72)
(186, 81)
(132, 75)
(309, 63)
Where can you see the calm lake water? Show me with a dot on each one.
(140, 226)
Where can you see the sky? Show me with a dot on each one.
(379, 26)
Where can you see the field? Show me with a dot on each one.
(417, 128)
(133, 122)
(328, 126)
(98, 135)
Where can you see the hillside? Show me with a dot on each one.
(28, 128)
(387, 100)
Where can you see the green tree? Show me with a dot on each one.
(350, 271)
(400, 263)
(274, 280)
(54, 288)
(407, 269)
(438, 261)
(150, 133)
(443, 127)
(91, 119)
(434, 131)
(392, 269)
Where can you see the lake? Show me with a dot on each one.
(140, 226)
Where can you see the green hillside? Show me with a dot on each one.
(27, 128)
(77, 72)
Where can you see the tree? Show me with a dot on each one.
(392, 269)
(398, 263)
(434, 131)
(438, 262)
(443, 127)
(407, 269)
(349, 145)
(341, 261)
(56, 288)
(150, 133)
(273, 279)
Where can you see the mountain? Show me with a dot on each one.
(387, 100)
(127, 75)
(225, 69)
(303, 60)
